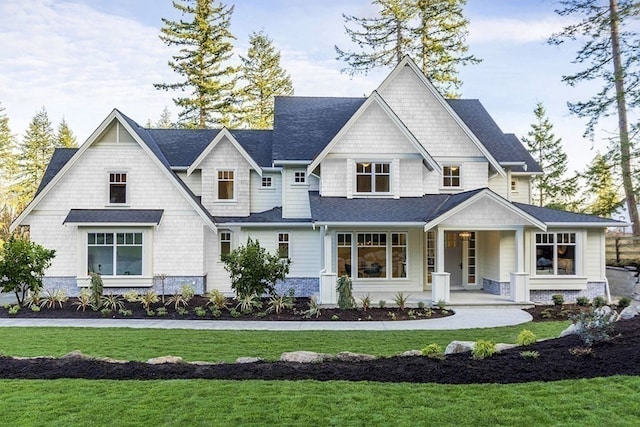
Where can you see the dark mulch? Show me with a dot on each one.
(70, 310)
(620, 356)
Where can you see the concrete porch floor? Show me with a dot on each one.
(459, 298)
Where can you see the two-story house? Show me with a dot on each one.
(402, 191)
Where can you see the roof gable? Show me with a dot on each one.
(224, 134)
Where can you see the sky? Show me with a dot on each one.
(79, 59)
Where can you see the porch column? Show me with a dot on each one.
(440, 251)
(520, 249)
(328, 278)
(440, 286)
(519, 283)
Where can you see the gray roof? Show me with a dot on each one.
(107, 216)
(271, 216)
(303, 126)
(548, 215)
(404, 210)
(503, 147)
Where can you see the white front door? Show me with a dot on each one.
(453, 258)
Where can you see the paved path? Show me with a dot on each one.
(465, 318)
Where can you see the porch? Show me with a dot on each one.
(459, 298)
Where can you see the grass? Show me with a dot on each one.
(142, 344)
(221, 403)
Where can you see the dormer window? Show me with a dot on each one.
(451, 176)
(372, 177)
(226, 185)
(117, 188)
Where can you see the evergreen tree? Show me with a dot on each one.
(7, 172)
(265, 79)
(610, 55)
(432, 32)
(65, 137)
(550, 189)
(205, 46)
(602, 188)
(34, 154)
(165, 120)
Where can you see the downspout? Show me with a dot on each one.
(323, 233)
(606, 288)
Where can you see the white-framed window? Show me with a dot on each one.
(299, 177)
(373, 177)
(372, 254)
(225, 243)
(398, 255)
(117, 188)
(514, 185)
(344, 254)
(266, 182)
(431, 254)
(283, 245)
(226, 185)
(115, 253)
(555, 254)
(451, 176)
(382, 255)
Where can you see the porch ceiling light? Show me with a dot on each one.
(465, 235)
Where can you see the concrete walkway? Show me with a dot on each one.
(464, 318)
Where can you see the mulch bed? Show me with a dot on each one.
(559, 359)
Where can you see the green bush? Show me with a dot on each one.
(344, 288)
(433, 351)
(483, 349)
(599, 301)
(401, 300)
(558, 299)
(583, 301)
(594, 326)
(624, 302)
(96, 287)
(529, 354)
(526, 337)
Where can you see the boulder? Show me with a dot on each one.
(347, 356)
(304, 357)
(243, 360)
(503, 347)
(571, 330)
(165, 359)
(410, 353)
(459, 347)
(629, 312)
(75, 354)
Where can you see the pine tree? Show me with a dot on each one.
(34, 154)
(65, 137)
(550, 189)
(610, 55)
(165, 120)
(7, 172)
(601, 188)
(264, 79)
(432, 32)
(205, 48)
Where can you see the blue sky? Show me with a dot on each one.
(82, 58)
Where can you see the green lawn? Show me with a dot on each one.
(142, 344)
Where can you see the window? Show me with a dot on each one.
(514, 185)
(451, 176)
(372, 254)
(431, 254)
(225, 185)
(344, 254)
(398, 255)
(114, 254)
(225, 243)
(372, 178)
(266, 182)
(300, 177)
(555, 253)
(117, 188)
(283, 245)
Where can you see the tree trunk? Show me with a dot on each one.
(623, 125)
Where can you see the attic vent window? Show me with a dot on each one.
(117, 188)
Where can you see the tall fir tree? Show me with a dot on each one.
(205, 43)
(65, 137)
(602, 190)
(551, 189)
(7, 173)
(609, 54)
(34, 154)
(263, 79)
(432, 32)
(165, 121)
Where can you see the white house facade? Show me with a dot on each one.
(402, 191)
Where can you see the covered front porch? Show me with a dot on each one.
(458, 299)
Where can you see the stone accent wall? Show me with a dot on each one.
(302, 286)
(171, 285)
(496, 288)
(594, 289)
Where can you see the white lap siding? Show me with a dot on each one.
(264, 199)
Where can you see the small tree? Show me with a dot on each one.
(22, 266)
(253, 270)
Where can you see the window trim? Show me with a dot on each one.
(388, 276)
(126, 187)
(217, 187)
(114, 253)
(221, 241)
(286, 242)
(373, 174)
(451, 177)
(576, 251)
(300, 173)
(262, 182)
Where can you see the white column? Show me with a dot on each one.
(328, 278)
(440, 250)
(520, 250)
(440, 287)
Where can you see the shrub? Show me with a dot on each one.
(131, 296)
(35, 308)
(583, 301)
(215, 312)
(14, 309)
(278, 303)
(624, 302)
(234, 313)
(22, 266)
(433, 351)
(200, 312)
(148, 298)
(253, 270)
(547, 313)
(526, 337)
(112, 302)
(54, 297)
(178, 300)
(427, 312)
(105, 312)
(182, 311)
(217, 300)
(161, 311)
(401, 300)
(248, 303)
(441, 304)
(599, 301)
(391, 315)
(314, 309)
(125, 312)
(382, 303)
(532, 354)
(483, 349)
(344, 287)
(151, 313)
(558, 299)
(411, 314)
(187, 292)
(34, 299)
(335, 317)
(84, 300)
(96, 287)
(365, 302)
(594, 326)
(421, 305)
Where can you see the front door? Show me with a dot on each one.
(453, 258)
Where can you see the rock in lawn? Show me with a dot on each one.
(305, 357)
(165, 359)
(347, 356)
(629, 312)
(248, 360)
(459, 347)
